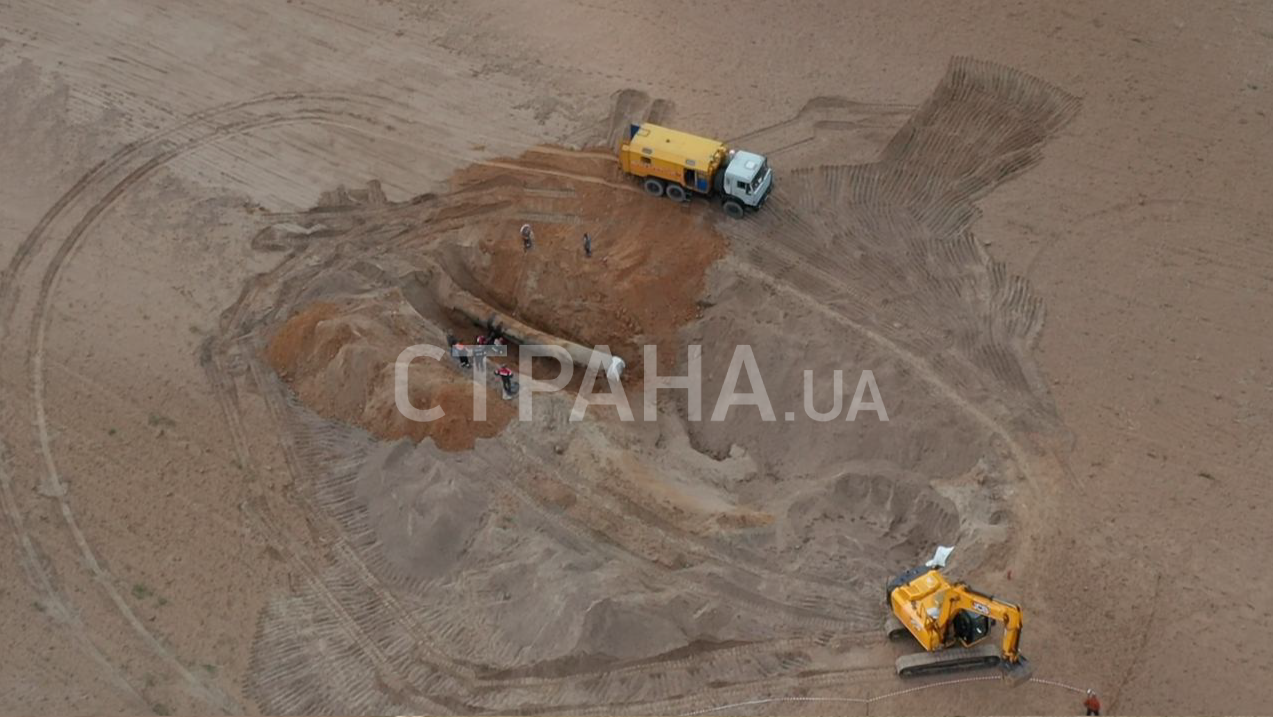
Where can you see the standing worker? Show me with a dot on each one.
(587, 246)
(506, 377)
(1092, 703)
(462, 354)
(528, 237)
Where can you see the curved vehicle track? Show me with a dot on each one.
(135, 162)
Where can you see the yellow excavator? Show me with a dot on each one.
(952, 622)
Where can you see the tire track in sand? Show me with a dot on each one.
(53, 601)
(276, 110)
(9, 288)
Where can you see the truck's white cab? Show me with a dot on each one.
(748, 178)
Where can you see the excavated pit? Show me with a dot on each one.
(588, 555)
(640, 287)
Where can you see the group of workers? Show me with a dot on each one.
(492, 337)
(528, 241)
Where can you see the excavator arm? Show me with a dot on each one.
(961, 597)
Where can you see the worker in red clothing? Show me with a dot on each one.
(506, 377)
(1092, 703)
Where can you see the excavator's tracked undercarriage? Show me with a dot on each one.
(958, 659)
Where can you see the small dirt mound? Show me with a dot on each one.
(297, 341)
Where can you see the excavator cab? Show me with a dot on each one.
(971, 627)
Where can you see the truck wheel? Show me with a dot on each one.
(733, 208)
(653, 187)
(676, 193)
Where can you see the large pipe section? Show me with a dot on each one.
(451, 296)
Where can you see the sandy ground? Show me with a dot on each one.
(1064, 292)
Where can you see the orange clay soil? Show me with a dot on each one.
(340, 362)
(642, 285)
(649, 263)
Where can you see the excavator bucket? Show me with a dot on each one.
(1017, 673)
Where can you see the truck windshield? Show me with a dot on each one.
(760, 177)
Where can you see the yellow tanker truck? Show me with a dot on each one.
(678, 165)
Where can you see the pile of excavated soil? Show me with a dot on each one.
(340, 361)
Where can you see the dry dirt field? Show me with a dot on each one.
(1044, 228)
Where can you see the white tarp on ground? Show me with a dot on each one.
(940, 556)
